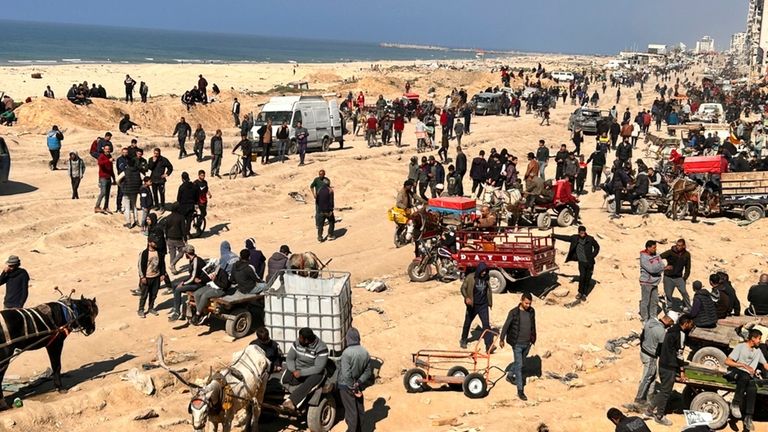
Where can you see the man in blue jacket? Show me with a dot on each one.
(54, 139)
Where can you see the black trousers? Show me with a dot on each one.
(158, 194)
(559, 171)
(353, 409)
(182, 148)
(119, 199)
(460, 186)
(75, 185)
(664, 391)
(266, 148)
(745, 386)
(423, 190)
(306, 385)
(585, 277)
(476, 185)
(129, 95)
(149, 291)
(54, 158)
(597, 174)
(199, 150)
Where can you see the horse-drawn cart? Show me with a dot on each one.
(710, 346)
(511, 254)
(241, 312)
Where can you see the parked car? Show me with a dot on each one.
(5, 161)
(709, 113)
(585, 119)
(487, 103)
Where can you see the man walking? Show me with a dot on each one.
(75, 171)
(54, 139)
(461, 170)
(679, 263)
(236, 112)
(478, 173)
(354, 373)
(302, 135)
(106, 179)
(670, 367)
(199, 142)
(324, 207)
(160, 169)
(183, 130)
(519, 332)
(151, 273)
(16, 281)
(650, 348)
(217, 152)
(583, 249)
(651, 268)
(478, 300)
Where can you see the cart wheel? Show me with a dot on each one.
(322, 418)
(713, 403)
(475, 386)
(709, 356)
(688, 394)
(565, 217)
(457, 371)
(497, 281)
(293, 147)
(641, 206)
(543, 221)
(419, 275)
(611, 206)
(753, 213)
(413, 381)
(241, 325)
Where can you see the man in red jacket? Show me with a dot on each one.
(106, 179)
(444, 122)
(370, 131)
(399, 125)
(361, 100)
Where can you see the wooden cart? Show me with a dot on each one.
(242, 313)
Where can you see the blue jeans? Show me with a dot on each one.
(302, 152)
(520, 351)
(282, 145)
(177, 293)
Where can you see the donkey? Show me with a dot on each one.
(228, 391)
(44, 326)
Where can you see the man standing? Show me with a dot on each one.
(282, 135)
(519, 332)
(583, 249)
(54, 139)
(758, 298)
(461, 170)
(265, 136)
(679, 261)
(120, 163)
(651, 268)
(203, 194)
(106, 179)
(75, 171)
(542, 157)
(16, 281)
(202, 86)
(217, 152)
(301, 140)
(129, 85)
(743, 363)
(478, 173)
(197, 279)
(151, 273)
(186, 198)
(670, 366)
(236, 112)
(183, 130)
(597, 158)
(160, 168)
(143, 91)
(175, 235)
(324, 208)
(624, 152)
(319, 182)
(354, 372)
(560, 158)
(650, 347)
(478, 301)
(304, 367)
(199, 142)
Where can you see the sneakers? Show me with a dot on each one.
(522, 396)
(204, 319)
(331, 238)
(153, 312)
(141, 314)
(463, 344)
(748, 426)
(174, 317)
(662, 420)
(135, 292)
(735, 410)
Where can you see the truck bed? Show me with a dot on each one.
(509, 249)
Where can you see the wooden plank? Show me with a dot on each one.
(752, 175)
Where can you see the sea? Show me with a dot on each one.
(25, 43)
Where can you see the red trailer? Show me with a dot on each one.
(512, 254)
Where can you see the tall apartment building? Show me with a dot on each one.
(757, 35)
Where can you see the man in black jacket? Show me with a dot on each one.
(324, 206)
(583, 249)
(560, 158)
(183, 130)
(679, 261)
(461, 170)
(519, 332)
(175, 235)
(728, 288)
(187, 197)
(670, 366)
(16, 281)
(478, 172)
(624, 152)
(597, 158)
(160, 168)
(758, 298)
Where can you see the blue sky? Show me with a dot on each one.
(570, 26)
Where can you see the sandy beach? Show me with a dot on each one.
(62, 243)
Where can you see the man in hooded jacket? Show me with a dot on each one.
(256, 258)
(478, 299)
(354, 373)
(278, 261)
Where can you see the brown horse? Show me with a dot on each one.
(684, 192)
(306, 264)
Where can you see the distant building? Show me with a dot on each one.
(657, 49)
(681, 47)
(738, 43)
(757, 35)
(705, 45)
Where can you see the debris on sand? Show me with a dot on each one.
(140, 381)
(298, 197)
(146, 415)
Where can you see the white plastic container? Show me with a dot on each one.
(323, 304)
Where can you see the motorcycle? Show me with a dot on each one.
(438, 252)
(403, 226)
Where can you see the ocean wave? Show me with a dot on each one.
(189, 61)
(45, 61)
(72, 60)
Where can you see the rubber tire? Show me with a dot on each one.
(242, 325)
(410, 375)
(709, 356)
(293, 147)
(233, 172)
(470, 386)
(565, 218)
(712, 403)
(753, 213)
(325, 145)
(322, 418)
(457, 371)
(611, 206)
(544, 221)
(194, 232)
(397, 239)
(501, 282)
(641, 206)
(414, 277)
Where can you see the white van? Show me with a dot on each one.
(320, 117)
(563, 76)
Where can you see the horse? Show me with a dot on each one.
(46, 325)
(241, 385)
(684, 190)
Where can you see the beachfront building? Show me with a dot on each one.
(757, 35)
(705, 45)
(657, 49)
